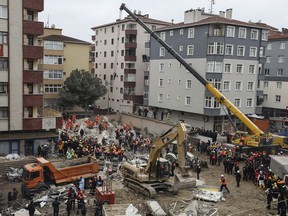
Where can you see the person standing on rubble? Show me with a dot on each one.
(56, 205)
(72, 197)
(81, 183)
(198, 171)
(238, 177)
(69, 206)
(14, 194)
(31, 208)
(223, 184)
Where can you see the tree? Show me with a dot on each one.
(81, 89)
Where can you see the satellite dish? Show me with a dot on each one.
(135, 11)
(139, 12)
(53, 26)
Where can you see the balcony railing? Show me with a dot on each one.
(35, 5)
(33, 27)
(32, 52)
(32, 76)
(33, 100)
(32, 124)
(130, 58)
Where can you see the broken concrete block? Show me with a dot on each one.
(192, 208)
(155, 208)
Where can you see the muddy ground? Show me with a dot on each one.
(246, 200)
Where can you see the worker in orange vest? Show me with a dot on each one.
(97, 119)
(131, 125)
(223, 184)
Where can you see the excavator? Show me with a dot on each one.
(155, 174)
(256, 138)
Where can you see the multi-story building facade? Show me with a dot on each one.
(274, 79)
(62, 55)
(120, 61)
(226, 52)
(23, 123)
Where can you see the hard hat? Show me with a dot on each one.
(222, 175)
(238, 171)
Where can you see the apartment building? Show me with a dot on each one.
(121, 58)
(62, 55)
(24, 124)
(227, 52)
(274, 79)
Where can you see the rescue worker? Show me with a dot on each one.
(56, 205)
(72, 197)
(223, 184)
(269, 198)
(261, 178)
(198, 171)
(238, 177)
(81, 183)
(31, 208)
(68, 206)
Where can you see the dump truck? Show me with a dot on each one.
(39, 176)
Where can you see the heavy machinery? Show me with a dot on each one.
(38, 177)
(155, 174)
(256, 137)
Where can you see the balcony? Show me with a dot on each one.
(32, 76)
(130, 58)
(33, 100)
(129, 71)
(32, 124)
(33, 27)
(130, 45)
(129, 84)
(131, 32)
(32, 52)
(34, 5)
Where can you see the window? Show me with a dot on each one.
(121, 90)
(268, 59)
(282, 45)
(238, 86)
(3, 87)
(240, 50)
(53, 59)
(30, 15)
(250, 86)
(249, 102)
(112, 53)
(123, 27)
(146, 82)
(190, 49)
(266, 84)
(191, 32)
(269, 46)
(239, 68)
(277, 98)
(53, 74)
(214, 67)
(279, 72)
(3, 12)
(3, 112)
(111, 65)
(112, 41)
(265, 97)
(30, 39)
(3, 64)
(112, 29)
(229, 49)
(210, 102)
(161, 67)
(160, 82)
(105, 42)
(160, 97)
(237, 102)
(104, 66)
(3, 37)
(216, 48)
(105, 53)
(181, 31)
(171, 33)
(169, 80)
(242, 32)
(53, 45)
(278, 85)
(280, 58)
(162, 51)
(253, 52)
(266, 72)
(180, 48)
(187, 100)
(227, 68)
(254, 34)
(226, 86)
(179, 81)
(54, 89)
(261, 52)
(188, 84)
(163, 36)
(265, 35)
(216, 83)
(230, 31)
(251, 69)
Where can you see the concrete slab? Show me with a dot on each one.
(155, 208)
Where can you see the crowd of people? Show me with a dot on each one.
(256, 169)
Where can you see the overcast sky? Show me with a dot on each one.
(77, 17)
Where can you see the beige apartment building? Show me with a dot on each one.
(62, 55)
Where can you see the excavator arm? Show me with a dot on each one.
(179, 133)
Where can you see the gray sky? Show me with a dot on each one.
(77, 17)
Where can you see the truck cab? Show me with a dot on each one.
(33, 180)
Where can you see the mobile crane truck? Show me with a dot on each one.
(38, 177)
(257, 138)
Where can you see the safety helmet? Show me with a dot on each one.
(222, 176)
